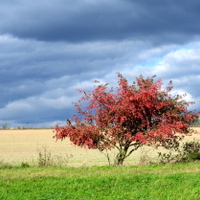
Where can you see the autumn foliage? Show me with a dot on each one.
(127, 117)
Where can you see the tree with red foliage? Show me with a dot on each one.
(128, 117)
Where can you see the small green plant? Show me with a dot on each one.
(25, 165)
(44, 157)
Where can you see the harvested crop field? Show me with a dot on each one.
(17, 146)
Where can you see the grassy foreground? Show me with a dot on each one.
(156, 182)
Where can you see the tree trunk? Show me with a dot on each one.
(119, 160)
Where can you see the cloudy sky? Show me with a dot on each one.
(50, 48)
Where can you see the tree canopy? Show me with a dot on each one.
(128, 116)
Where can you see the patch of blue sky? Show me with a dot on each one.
(187, 47)
(183, 47)
(152, 62)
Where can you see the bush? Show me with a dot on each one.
(191, 151)
(188, 152)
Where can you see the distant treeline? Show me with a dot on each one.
(24, 128)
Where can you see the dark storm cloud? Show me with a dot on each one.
(29, 59)
(38, 80)
(49, 49)
(77, 21)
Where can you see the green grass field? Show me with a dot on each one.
(156, 182)
(82, 178)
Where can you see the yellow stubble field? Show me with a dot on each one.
(24, 145)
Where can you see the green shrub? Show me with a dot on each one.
(188, 152)
(191, 151)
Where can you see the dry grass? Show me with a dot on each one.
(17, 146)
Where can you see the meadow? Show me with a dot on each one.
(17, 146)
(24, 146)
(85, 174)
(153, 182)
